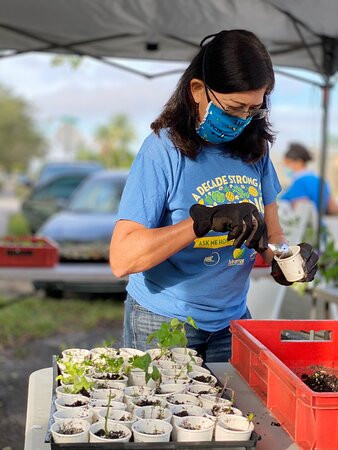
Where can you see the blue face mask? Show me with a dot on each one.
(218, 127)
(289, 172)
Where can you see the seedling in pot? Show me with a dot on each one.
(111, 368)
(69, 428)
(144, 363)
(75, 376)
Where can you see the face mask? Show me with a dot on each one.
(288, 172)
(218, 127)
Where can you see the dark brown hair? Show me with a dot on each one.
(234, 61)
(298, 152)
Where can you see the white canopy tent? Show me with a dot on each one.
(300, 34)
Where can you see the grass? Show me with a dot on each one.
(35, 318)
(18, 225)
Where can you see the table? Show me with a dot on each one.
(40, 392)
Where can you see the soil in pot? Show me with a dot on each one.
(76, 404)
(145, 402)
(189, 426)
(181, 414)
(69, 429)
(321, 381)
(202, 378)
(109, 376)
(111, 434)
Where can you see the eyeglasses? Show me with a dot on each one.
(256, 114)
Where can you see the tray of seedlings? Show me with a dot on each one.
(163, 398)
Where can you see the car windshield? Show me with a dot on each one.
(98, 196)
(51, 171)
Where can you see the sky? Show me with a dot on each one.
(94, 92)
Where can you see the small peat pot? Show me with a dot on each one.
(151, 430)
(166, 389)
(153, 412)
(116, 416)
(202, 378)
(182, 399)
(179, 411)
(74, 413)
(96, 404)
(70, 431)
(116, 433)
(75, 402)
(193, 429)
(233, 428)
(103, 393)
(218, 411)
(75, 354)
(200, 389)
(209, 401)
(132, 392)
(147, 400)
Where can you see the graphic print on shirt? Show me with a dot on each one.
(227, 189)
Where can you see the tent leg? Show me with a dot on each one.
(323, 156)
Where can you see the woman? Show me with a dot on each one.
(203, 172)
(305, 183)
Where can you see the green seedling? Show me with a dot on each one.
(144, 363)
(75, 375)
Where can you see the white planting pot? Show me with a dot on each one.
(97, 404)
(192, 410)
(115, 417)
(166, 365)
(143, 427)
(81, 413)
(245, 428)
(183, 351)
(155, 353)
(129, 352)
(223, 412)
(137, 377)
(116, 394)
(197, 368)
(61, 403)
(81, 437)
(153, 412)
(196, 389)
(211, 379)
(182, 399)
(208, 401)
(109, 384)
(204, 434)
(132, 392)
(155, 401)
(75, 354)
(170, 388)
(111, 427)
(61, 391)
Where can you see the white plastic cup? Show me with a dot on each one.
(293, 266)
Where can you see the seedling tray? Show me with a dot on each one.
(27, 251)
(272, 365)
(142, 445)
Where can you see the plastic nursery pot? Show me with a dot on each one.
(200, 389)
(74, 413)
(97, 354)
(69, 431)
(166, 389)
(98, 404)
(61, 391)
(179, 411)
(233, 428)
(202, 378)
(183, 351)
(75, 402)
(137, 377)
(147, 400)
(174, 376)
(182, 399)
(208, 401)
(197, 368)
(129, 352)
(75, 354)
(116, 394)
(156, 354)
(153, 412)
(164, 364)
(194, 429)
(104, 378)
(218, 411)
(109, 384)
(293, 266)
(151, 430)
(132, 392)
(116, 416)
(122, 433)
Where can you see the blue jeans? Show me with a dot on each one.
(139, 323)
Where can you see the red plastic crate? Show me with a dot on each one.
(270, 366)
(260, 261)
(14, 254)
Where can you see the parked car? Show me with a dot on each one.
(52, 170)
(84, 229)
(50, 197)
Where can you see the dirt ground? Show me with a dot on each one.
(17, 364)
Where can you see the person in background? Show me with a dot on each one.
(305, 183)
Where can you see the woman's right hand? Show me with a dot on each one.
(243, 221)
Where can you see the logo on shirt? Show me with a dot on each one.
(237, 257)
(212, 260)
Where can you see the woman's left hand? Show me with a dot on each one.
(310, 259)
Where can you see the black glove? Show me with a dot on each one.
(310, 258)
(242, 220)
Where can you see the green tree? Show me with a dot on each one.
(114, 142)
(20, 140)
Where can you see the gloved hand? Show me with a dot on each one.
(310, 258)
(242, 220)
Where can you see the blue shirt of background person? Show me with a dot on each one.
(305, 184)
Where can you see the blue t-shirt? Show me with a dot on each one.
(208, 279)
(306, 185)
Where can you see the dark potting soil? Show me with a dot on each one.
(148, 403)
(321, 381)
(70, 430)
(110, 376)
(111, 434)
(202, 378)
(84, 392)
(182, 414)
(77, 403)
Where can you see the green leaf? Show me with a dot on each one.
(174, 322)
(191, 322)
(156, 375)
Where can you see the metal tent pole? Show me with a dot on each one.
(323, 155)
